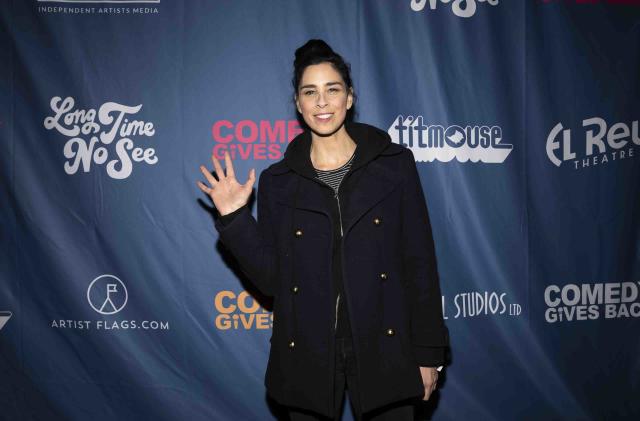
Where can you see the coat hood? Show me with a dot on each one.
(370, 142)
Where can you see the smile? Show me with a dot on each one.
(323, 117)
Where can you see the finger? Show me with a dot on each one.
(204, 188)
(252, 179)
(216, 165)
(210, 178)
(229, 165)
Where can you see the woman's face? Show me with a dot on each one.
(323, 98)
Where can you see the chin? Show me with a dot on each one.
(325, 129)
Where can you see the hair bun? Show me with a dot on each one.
(313, 47)
(316, 51)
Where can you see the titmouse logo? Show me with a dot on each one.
(444, 143)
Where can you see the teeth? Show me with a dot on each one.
(323, 115)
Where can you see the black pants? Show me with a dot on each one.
(346, 379)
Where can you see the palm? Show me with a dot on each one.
(226, 193)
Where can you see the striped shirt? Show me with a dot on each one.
(334, 177)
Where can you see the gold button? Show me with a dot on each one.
(383, 276)
(294, 289)
(298, 232)
(292, 344)
(377, 221)
(390, 332)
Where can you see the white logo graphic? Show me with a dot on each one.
(596, 151)
(107, 294)
(98, 1)
(460, 8)
(99, 7)
(4, 318)
(482, 303)
(610, 300)
(435, 142)
(75, 122)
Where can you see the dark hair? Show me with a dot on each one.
(316, 51)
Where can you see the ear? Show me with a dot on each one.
(350, 98)
(298, 104)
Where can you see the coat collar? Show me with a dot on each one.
(372, 187)
(370, 142)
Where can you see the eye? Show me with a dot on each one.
(309, 93)
(334, 90)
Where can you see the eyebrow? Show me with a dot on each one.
(326, 84)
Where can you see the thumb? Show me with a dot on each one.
(251, 180)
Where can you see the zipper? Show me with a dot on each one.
(332, 360)
(340, 214)
(343, 281)
(335, 328)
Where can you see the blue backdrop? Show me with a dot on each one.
(118, 302)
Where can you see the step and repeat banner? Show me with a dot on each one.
(118, 302)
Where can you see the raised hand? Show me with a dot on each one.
(227, 194)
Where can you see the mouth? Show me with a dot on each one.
(323, 117)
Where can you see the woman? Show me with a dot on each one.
(343, 243)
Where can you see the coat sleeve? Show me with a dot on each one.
(252, 242)
(429, 335)
(226, 219)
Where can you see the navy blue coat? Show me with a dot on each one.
(388, 268)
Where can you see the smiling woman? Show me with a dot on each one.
(343, 243)
(323, 88)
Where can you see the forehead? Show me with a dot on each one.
(320, 74)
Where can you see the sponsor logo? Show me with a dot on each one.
(240, 312)
(597, 143)
(593, 2)
(4, 318)
(110, 142)
(460, 8)
(578, 302)
(247, 139)
(108, 295)
(444, 143)
(481, 303)
(101, 7)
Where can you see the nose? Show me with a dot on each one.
(321, 100)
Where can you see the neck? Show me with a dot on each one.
(329, 152)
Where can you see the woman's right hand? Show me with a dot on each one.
(227, 194)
